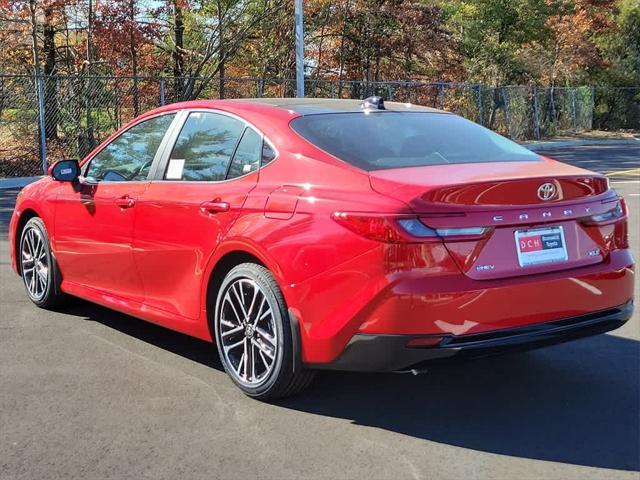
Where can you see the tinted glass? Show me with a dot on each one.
(247, 156)
(268, 153)
(204, 147)
(382, 140)
(129, 156)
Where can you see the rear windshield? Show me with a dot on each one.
(381, 140)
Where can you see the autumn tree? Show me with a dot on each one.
(200, 43)
(124, 42)
(213, 33)
(620, 46)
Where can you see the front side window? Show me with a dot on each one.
(130, 155)
(381, 140)
(204, 147)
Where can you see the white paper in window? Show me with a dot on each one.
(175, 168)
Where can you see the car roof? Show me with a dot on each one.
(311, 106)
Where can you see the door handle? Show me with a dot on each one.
(125, 202)
(214, 207)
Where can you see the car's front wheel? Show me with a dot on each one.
(254, 335)
(38, 267)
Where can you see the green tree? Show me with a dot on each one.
(621, 46)
(491, 33)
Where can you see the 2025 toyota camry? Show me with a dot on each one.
(304, 234)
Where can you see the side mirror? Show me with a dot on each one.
(65, 171)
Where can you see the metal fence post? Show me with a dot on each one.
(161, 91)
(441, 96)
(536, 115)
(574, 118)
(552, 105)
(480, 109)
(593, 107)
(41, 124)
(505, 102)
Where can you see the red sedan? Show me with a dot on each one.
(328, 234)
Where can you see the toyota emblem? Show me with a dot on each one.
(547, 191)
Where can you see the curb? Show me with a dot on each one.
(554, 144)
(17, 182)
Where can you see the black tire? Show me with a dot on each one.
(286, 377)
(48, 295)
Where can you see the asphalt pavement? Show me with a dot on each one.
(90, 393)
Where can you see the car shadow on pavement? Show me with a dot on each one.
(575, 403)
(188, 347)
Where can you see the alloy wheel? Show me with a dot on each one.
(35, 264)
(248, 335)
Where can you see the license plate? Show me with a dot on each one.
(541, 246)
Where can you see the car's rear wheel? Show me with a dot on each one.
(254, 335)
(38, 267)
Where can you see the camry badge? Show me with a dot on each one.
(546, 191)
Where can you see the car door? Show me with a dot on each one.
(94, 220)
(197, 194)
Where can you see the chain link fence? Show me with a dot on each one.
(49, 118)
(19, 127)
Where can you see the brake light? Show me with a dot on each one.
(624, 206)
(618, 213)
(617, 217)
(404, 228)
(374, 227)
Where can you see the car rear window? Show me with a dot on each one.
(381, 140)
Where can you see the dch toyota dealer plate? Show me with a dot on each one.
(541, 246)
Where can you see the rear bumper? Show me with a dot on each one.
(378, 353)
(374, 295)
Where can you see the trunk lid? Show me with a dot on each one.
(486, 184)
(535, 211)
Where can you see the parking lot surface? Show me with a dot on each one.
(90, 393)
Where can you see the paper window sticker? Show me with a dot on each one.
(175, 168)
(246, 168)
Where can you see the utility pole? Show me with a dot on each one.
(299, 49)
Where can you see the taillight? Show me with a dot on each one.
(621, 231)
(373, 227)
(617, 217)
(404, 228)
(624, 207)
(619, 212)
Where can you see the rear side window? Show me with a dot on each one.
(268, 153)
(130, 155)
(382, 140)
(247, 156)
(204, 147)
